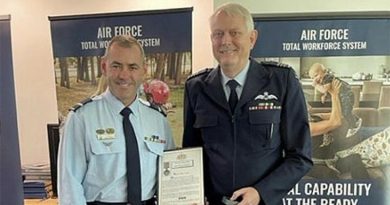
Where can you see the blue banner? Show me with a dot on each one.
(302, 38)
(11, 188)
(158, 32)
(346, 47)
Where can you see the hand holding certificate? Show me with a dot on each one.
(181, 177)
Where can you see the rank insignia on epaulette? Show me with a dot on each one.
(277, 64)
(80, 104)
(158, 108)
(203, 71)
(153, 106)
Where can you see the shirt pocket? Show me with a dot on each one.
(205, 121)
(155, 147)
(106, 147)
(208, 126)
(106, 154)
(264, 128)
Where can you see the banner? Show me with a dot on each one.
(88, 35)
(80, 41)
(11, 186)
(301, 38)
(351, 162)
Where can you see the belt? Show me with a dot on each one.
(151, 201)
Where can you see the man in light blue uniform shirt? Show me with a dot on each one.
(92, 154)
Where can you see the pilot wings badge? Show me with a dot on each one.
(266, 96)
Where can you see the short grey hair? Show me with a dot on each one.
(234, 9)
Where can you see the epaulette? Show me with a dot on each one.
(154, 107)
(201, 72)
(279, 65)
(80, 104)
(276, 64)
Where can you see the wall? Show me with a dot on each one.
(33, 62)
(298, 6)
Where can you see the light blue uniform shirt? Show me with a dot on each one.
(92, 153)
(240, 79)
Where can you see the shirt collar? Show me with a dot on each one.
(240, 78)
(117, 105)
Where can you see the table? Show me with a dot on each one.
(366, 100)
(40, 201)
(308, 82)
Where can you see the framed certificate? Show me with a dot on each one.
(180, 177)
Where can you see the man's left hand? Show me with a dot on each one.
(249, 196)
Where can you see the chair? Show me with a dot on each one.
(53, 140)
(317, 95)
(356, 93)
(372, 87)
(314, 110)
(370, 92)
(384, 116)
(368, 115)
(384, 97)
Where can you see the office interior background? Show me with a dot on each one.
(35, 88)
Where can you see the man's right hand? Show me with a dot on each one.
(334, 89)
